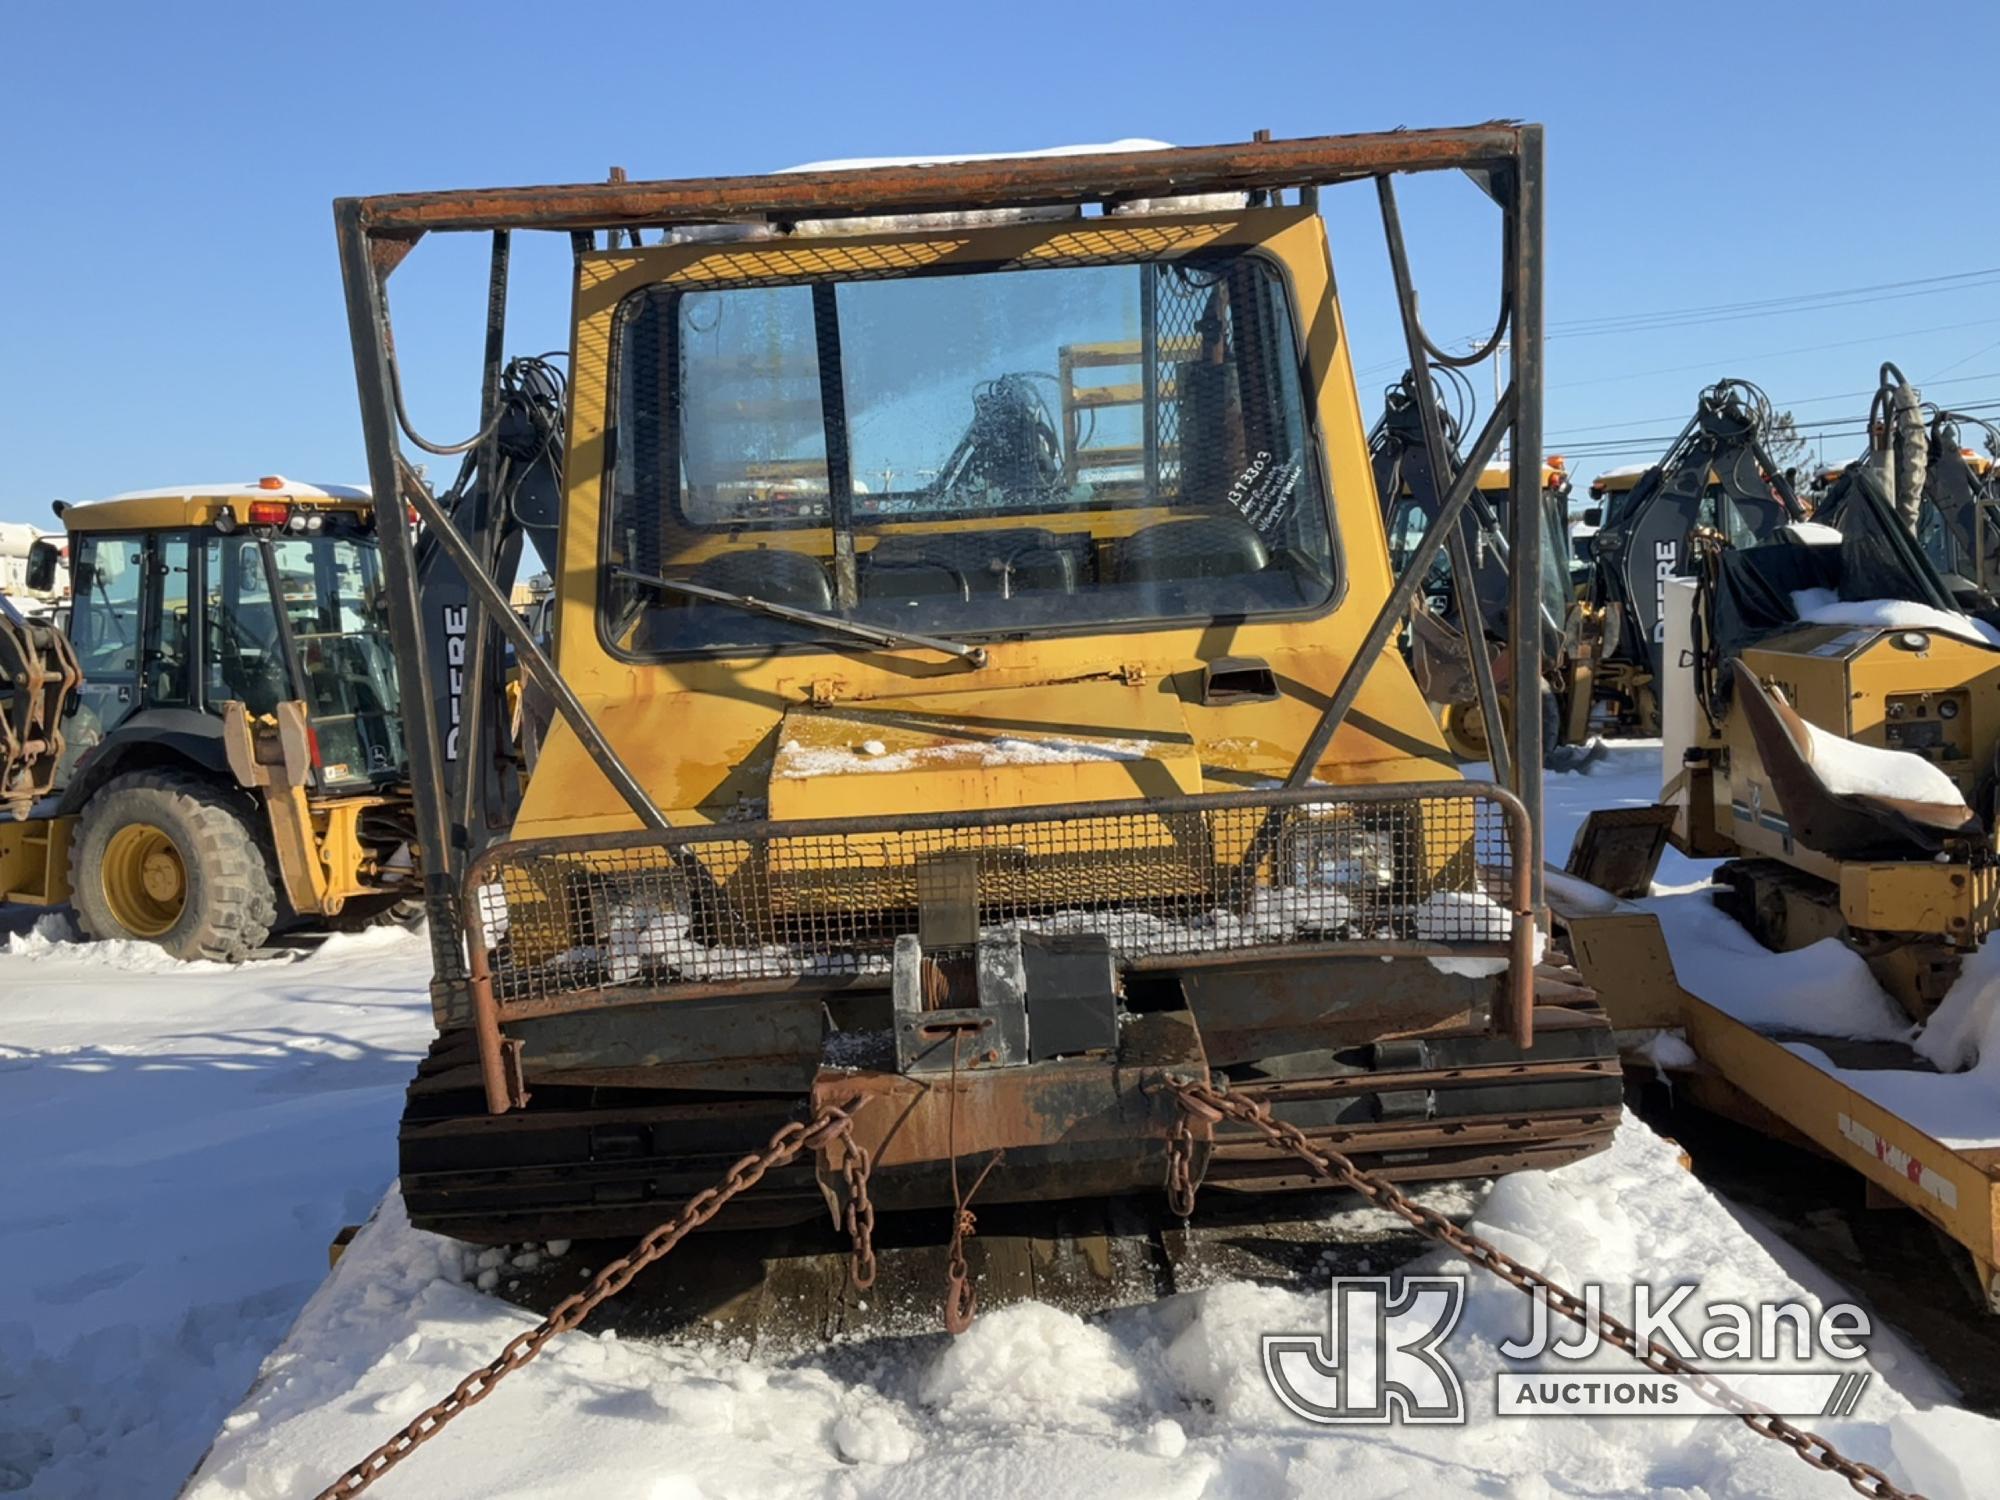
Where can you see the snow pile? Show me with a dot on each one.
(1275, 913)
(1468, 917)
(1665, 1050)
(56, 936)
(1577, 895)
(186, 1140)
(1964, 1031)
(1000, 1370)
(1825, 989)
(1959, 1106)
(797, 761)
(1848, 768)
(1463, 917)
(1825, 607)
(644, 939)
(1165, 1400)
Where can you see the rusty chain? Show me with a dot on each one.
(1201, 1101)
(830, 1124)
(858, 1218)
(1180, 1167)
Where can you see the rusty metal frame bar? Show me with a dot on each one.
(376, 233)
(1517, 188)
(1524, 616)
(1390, 617)
(503, 1086)
(1007, 182)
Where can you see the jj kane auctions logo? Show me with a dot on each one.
(1381, 1358)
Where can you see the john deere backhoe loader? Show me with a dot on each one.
(1716, 477)
(214, 748)
(1440, 649)
(1949, 494)
(923, 787)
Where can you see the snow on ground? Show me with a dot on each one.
(1824, 988)
(187, 1138)
(1167, 1400)
(183, 1142)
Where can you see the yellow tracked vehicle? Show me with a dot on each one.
(933, 743)
(213, 749)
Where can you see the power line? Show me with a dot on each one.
(1775, 302)
(1740, 360)
(1831, 427)
(1785, 405)
(1725, 312)
(1655, 322)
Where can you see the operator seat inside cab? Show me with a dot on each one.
(1219, 546)
(781, 577)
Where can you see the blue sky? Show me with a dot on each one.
(172, 304)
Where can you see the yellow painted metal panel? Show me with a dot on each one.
(34, 861)
(1957, 1189)
(703, 734)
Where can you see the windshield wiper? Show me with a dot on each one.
(874, 635)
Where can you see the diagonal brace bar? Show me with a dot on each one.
(529, 653)
(1397, 604)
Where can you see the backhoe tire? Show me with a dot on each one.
(165, 857)
(1464, 727)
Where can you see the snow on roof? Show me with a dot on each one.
(966, 218)
(861, 163)
(253, 489)
(1623, 471)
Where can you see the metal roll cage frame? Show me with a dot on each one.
(377, 233)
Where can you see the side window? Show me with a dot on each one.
(169, 673)
(105, 622)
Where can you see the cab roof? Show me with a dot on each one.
(197, 504)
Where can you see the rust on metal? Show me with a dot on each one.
(813, 905)
(908, 1119)
(1007, 182)
(388, 249)
(39, 675)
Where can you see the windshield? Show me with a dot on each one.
(975, 452)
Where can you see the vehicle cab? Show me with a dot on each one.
(189, 597)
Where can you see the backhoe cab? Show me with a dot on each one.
(970, 706)
(1716, 478)
(1440, 650)
(214, 748)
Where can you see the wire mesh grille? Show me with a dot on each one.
(776, 903)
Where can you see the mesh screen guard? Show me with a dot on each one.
(563, 924)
